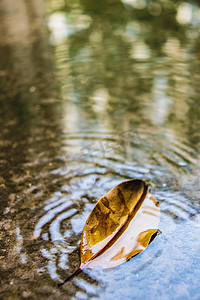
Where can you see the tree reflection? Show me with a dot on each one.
(122, 66)
(120, 52)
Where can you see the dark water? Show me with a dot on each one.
(93, 93)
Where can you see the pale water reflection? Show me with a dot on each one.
(91, 94)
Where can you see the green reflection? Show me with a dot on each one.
(109, 86)
(121, 50)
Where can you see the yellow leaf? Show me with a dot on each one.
(121, 225)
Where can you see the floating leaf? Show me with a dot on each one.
(121, 225)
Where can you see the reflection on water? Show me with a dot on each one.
(92, 94)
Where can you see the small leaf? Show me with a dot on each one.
(121, 225)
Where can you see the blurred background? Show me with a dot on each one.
(93, 93)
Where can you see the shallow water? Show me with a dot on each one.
(91, 95)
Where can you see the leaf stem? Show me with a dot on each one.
(70, 277)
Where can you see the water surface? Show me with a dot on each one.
(92, 94)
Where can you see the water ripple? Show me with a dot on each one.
(82, 176)
(49, 216)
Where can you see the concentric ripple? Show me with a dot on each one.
(93, 93)
(91, 171)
